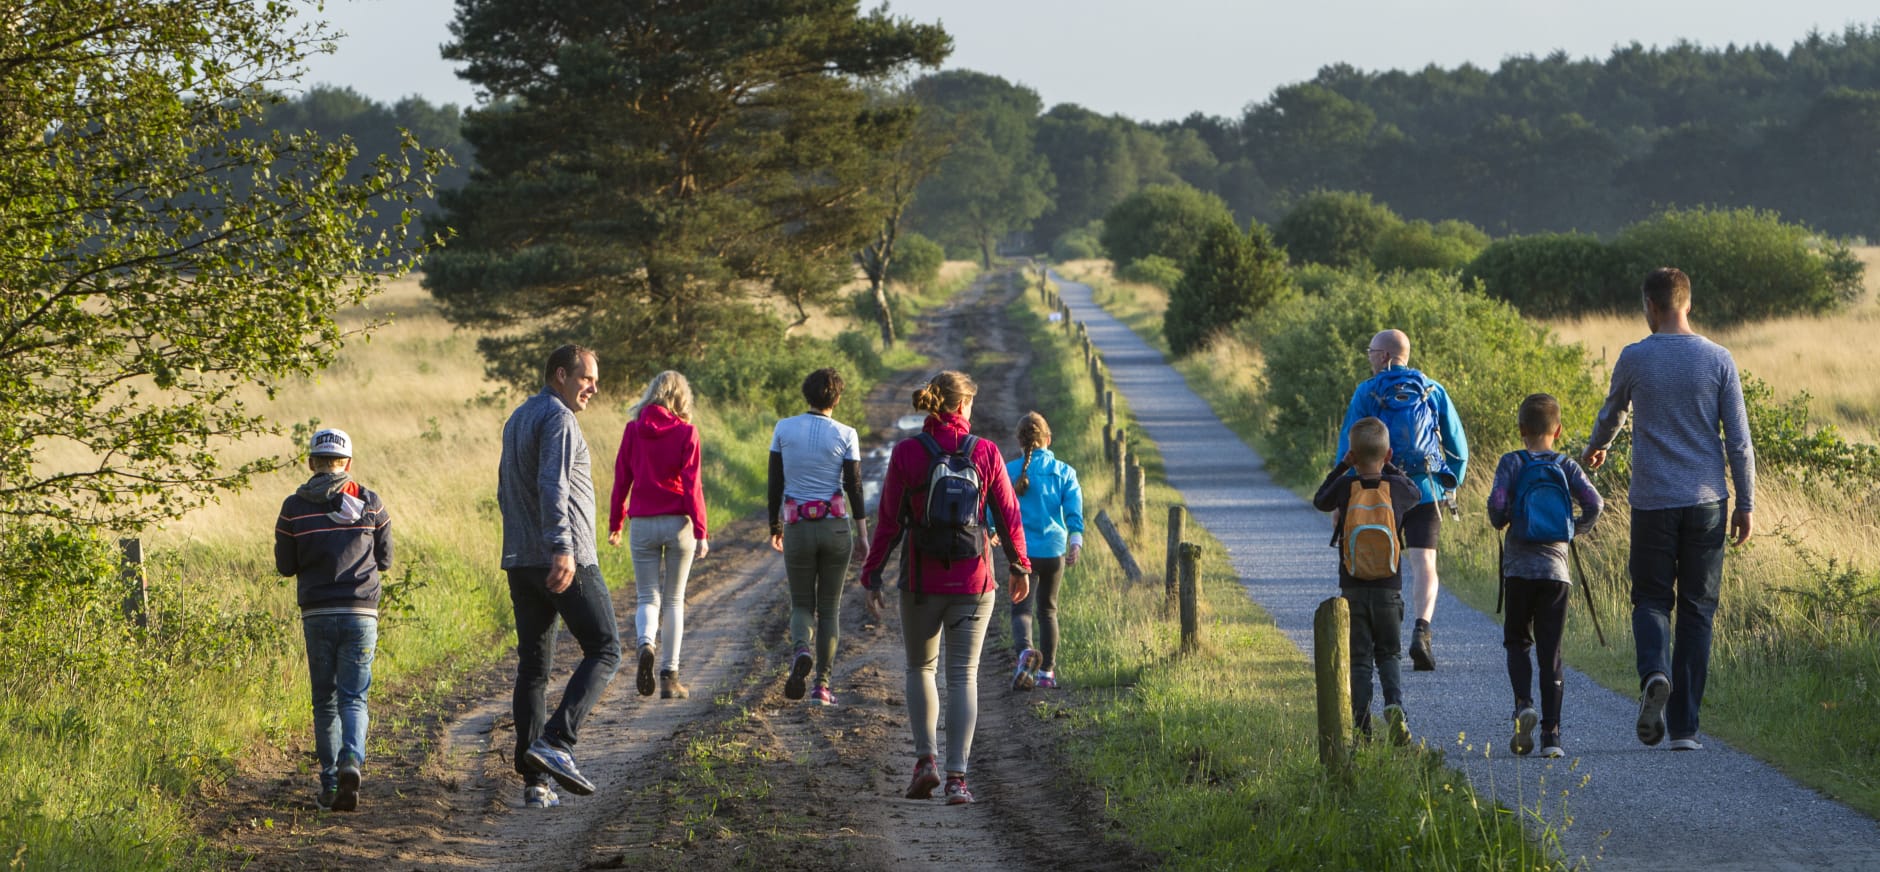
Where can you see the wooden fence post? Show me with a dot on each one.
(1177, 521)
(1109, 406)
(1119, 466)
(1331, 661)
(1109, 442)
(1191, 597)
(137, 588)
(1133, 495)
(1132, 571)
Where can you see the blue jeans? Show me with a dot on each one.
(339, 668)
(588, 610)
(1376, 648)
(1677, 562)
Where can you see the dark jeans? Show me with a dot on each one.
(1046, 573)
(1376, 645)
(588, 610)
(1537, 615)
(340, 649)
(1677, 562)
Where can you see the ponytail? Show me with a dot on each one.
(946, 392)
(1023, 483)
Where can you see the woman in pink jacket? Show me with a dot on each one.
(947, 581)
(656, 483)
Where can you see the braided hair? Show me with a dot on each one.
(1033, 434)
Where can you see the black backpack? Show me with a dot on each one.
(951, 528)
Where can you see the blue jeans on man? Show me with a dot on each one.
(588, 610)
(340, 649)
(1677, 563)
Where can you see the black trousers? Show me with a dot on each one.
(1537, 615)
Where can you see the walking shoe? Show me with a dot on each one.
(644, 680)
(1651, 708)
(1397, 726)
(1047, 681)
(1421, 658)
(1025, 676)
(540, 796)
(669, 686)
(1550, 744)
(822, 696)
(324, 799)
(559, 764)
(926, 778)
(346, 798)
(1523, 741)
(1686, 744)
(799, 671)
(957, 792)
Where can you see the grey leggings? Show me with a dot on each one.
(662, 547)
(816, 559)
(962, 619)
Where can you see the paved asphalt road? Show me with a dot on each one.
(1638, 808)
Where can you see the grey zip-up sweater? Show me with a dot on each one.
(545, 486)
(1680, 389)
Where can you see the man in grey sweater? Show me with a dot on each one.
(1682, 389)
(546, 492)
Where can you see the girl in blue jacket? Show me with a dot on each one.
(1052, 507)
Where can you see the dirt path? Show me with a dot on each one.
(735, 776)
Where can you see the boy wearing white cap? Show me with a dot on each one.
(336, 537)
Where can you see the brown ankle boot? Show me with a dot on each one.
(669, 686)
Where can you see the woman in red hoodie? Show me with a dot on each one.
(947, 581)
(656, 483)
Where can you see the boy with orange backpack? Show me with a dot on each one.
(1368, 499)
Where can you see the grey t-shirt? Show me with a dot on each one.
(544, 486)
(1681, 390)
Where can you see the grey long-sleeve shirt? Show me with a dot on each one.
(545, 486)
(1680, 389)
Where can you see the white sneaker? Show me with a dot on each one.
(1685, 745)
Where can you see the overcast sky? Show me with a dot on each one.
(1161, 59)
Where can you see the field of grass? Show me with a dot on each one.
(1210, 759)
(231, 691)
(1795, 666)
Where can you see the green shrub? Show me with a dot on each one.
(1483, 352)
(863, 308)
(1078, 243)
(1152, 270)
(1415, 245)
(768, 369)
(1552, 274)
(1315, 278)
(1161, 219)
(1744, 264)
(917, 261)
(1335, 228)
(1232, 276)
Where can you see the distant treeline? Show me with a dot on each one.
(374, 129)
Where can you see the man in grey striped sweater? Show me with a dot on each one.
(1681, 389)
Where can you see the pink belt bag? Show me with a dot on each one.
(814, 510)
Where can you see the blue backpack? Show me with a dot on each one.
(1540, 506)
(1406, 404)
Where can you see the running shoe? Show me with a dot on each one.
(1686, 744)
(324, 800)
(822, 696)
(347, 797)
(540, 796)
(1396, 725)
(1047, 681)
(1550, 744)
(1523, 741)
(800, 666)
(957, 791)
(1025, 676)
(1651, 708)
(644, 680)
(926, 778)
(559, 764)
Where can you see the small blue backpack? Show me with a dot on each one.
(1540, 505)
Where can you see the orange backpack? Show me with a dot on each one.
(1368, 536)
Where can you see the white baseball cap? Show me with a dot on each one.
(330, 443)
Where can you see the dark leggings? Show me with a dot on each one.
(1537, 614)
(1046, 572)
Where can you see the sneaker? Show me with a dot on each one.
(1550, 744)
(1651, 708)
(926, 778)
(645, 678)
(822, 696)
(324, 799)
(1421, 658)
(540, 796)
(1047, 681)
(559, 764)
(957, 791)
(799, 671)
(669, 686)
(346, 798)
(1025, 676)
(1686, 744)
(1397, 726)
(1523, 741)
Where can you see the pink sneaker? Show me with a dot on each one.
(957, 792)
(926, 778)
(1046, 681)
(822, 696)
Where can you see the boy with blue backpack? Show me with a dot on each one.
(1533, 496)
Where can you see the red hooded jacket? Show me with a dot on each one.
(907, 475)
(658, 469)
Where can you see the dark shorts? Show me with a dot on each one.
(1421, 524)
